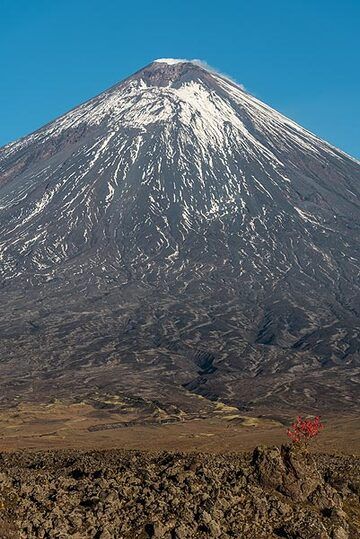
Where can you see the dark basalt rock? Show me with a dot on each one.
(288, 470)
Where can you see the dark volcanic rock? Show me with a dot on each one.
(184, 496)
(288, 470)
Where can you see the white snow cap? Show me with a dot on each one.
(172, 61)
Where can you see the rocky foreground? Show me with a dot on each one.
(271, 493)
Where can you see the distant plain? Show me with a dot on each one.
(84, 426)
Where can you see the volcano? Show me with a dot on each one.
(176, 238)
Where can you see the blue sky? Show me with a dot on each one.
(300, 56)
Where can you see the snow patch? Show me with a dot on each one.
(171, 61)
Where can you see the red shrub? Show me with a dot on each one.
(302, 430)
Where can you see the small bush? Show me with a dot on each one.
(303, 430)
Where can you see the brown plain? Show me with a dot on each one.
(81, 426)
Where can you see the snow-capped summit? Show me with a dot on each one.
(225, 233)
(172, 61)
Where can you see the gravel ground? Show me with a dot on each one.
(270, 493)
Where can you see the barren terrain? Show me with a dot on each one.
(265, 494)
(113, 423)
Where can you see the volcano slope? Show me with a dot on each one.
(174, 237)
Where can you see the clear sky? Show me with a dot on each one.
(300, 56)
